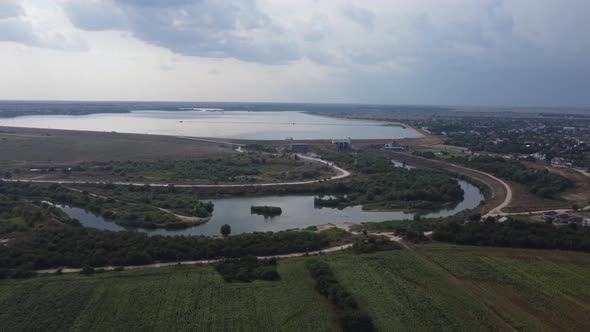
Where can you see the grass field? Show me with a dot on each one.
(444, 287)
(524, 201)
(20, 145)
(169, 299)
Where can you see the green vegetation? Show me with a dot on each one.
(351, 318)
(529, 290)
(166, 299)
(144, 207)
(225, 230)
(384, 186)
(373, 244)
(266, 210)
(38, 236)
(431, 287)
(76, 246)
(515, 233)
(242, 168)
(247, 269)
(538, 182)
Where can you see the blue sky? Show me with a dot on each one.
(451, 52)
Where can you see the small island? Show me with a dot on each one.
(266, 210)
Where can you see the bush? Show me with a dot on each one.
(247, 269)
(349, 315)
(87, 269)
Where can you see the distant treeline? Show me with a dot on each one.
(19, 108)
(517, 234)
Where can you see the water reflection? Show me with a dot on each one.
(234, 124)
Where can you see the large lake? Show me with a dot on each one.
(228, 124)
(298, 212)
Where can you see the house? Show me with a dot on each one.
(503, 219)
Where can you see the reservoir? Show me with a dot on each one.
(220, 124)
(298, 212)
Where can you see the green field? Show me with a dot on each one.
(168, 299)
(443, 287)
(429, 287)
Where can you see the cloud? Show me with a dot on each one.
(364, 17)
(430, 51)
(9, 9)
(206, 28)
(39, 25)
(95, 15)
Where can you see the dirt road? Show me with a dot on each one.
(198, 262)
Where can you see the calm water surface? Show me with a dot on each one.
(298, 212)
(234, 124)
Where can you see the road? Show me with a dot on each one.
(340, 174)
(199, 262)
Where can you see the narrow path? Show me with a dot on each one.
(341, 173)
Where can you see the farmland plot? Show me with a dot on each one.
(168, 299)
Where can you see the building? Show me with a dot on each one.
(393, 147)
(342, 144)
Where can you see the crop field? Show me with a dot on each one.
(444, 287)
(428, 287)
(168, 299)
(529, 289)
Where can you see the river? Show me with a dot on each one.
(219, 124)
(298, 212)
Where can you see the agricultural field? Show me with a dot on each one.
(444, 287)
(166, 299)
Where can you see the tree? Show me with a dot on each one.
(225, 230)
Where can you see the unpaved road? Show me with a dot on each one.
(204, 261)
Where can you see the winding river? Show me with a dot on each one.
(298, 212)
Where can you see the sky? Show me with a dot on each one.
(421, 52)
